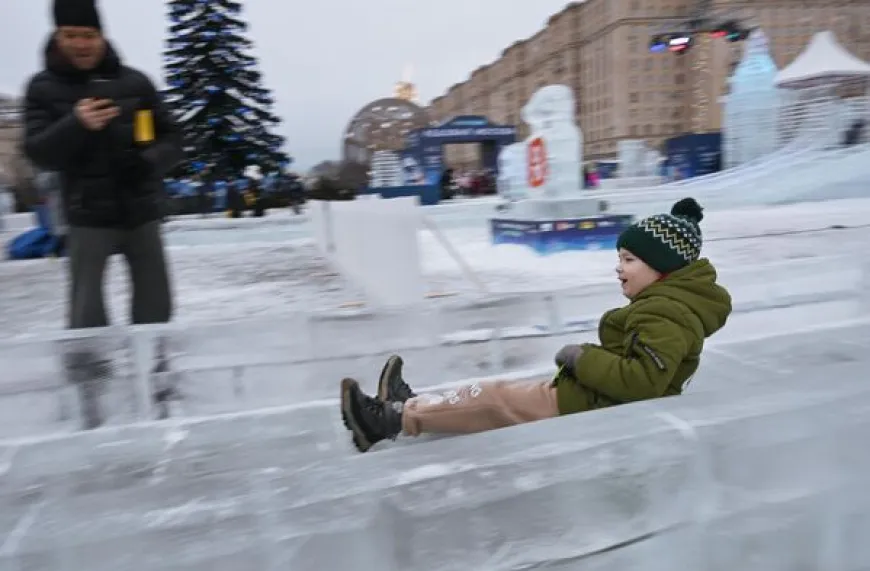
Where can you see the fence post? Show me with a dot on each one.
(141, 341)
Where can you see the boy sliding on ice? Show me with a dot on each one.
(648, 348)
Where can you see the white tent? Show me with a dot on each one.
(824, 60)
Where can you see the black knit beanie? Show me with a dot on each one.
(79, 13)
(667, 242)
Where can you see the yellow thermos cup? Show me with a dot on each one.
(143, 126)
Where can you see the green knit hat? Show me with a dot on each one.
(666, 242)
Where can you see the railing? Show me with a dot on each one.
(225, 367)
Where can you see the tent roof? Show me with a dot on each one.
(824, 58)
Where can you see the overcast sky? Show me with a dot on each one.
(323, 59)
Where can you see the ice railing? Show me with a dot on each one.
(232, 366)
(794, 151)
(764, 476)
(805, 141)
(736, 192)
(738, 176)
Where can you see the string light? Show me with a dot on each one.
(701, 77)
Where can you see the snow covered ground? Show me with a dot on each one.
(228, 270)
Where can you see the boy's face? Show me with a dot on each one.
(634, 274)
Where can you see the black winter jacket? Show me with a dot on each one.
(108, 180)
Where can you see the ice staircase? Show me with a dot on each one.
(757, 467)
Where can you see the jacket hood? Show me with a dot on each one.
(695, 287)
(57, 63)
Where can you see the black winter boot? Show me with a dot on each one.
(391, 386)
(369, 419)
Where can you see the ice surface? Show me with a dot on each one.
(222, 282)
(299, 358)
(754, 478)
(42, 387)
(754, 468)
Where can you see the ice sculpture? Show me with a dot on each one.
(541, 177)
(554, 149)
(752, 107)
(548, 163)
(637, 160)
(512, 183)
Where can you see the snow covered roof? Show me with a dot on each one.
(824, 59)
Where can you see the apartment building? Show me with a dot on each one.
(10, 135)
(600, 48)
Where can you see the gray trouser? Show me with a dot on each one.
(89, 250)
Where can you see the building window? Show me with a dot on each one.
(633, 98)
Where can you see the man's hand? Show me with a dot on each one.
(95, 114)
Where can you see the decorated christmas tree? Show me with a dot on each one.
(216, 92)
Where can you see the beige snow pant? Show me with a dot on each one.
(479, 407)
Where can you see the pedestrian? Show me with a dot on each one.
(647, 349)
(101, 126)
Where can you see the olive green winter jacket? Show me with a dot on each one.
(651, 347)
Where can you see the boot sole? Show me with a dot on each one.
(359, 440)
(383, 381)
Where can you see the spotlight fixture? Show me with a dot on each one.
(658, 44)
(680, 43)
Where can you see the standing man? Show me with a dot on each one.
(102, 127)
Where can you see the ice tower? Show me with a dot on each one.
(751, 125)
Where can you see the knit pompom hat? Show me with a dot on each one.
(666, 242)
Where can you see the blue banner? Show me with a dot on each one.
(607, 169)
(694, 154)
(469, 129)
(426, 145)
(412, 170)
(432, 159)
(552, 236)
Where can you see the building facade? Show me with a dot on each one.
(10, 136)
(600, 48)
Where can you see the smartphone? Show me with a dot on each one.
(100, 89)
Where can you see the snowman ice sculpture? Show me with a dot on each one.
(547, 163)
(556, 139)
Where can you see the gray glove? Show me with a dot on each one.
(567, 356)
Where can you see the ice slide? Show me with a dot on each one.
(753, 469)
(812, 175)
(760, 477)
